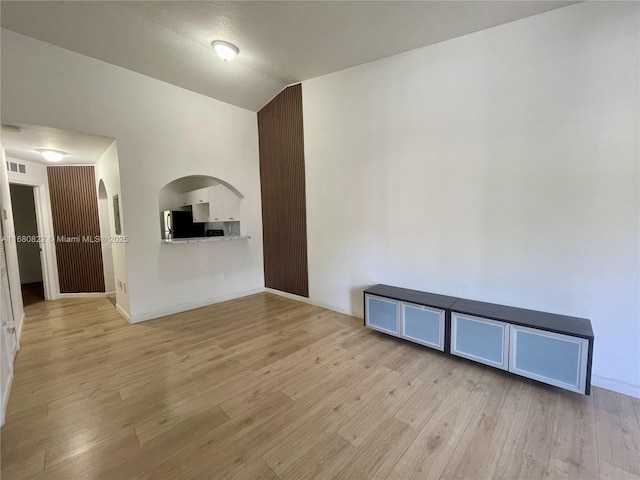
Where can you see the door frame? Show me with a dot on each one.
(44, 223)
(8, 337)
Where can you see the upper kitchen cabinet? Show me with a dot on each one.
(217, 203)
(193, 197)
(224, 205)
(198, 200)
(185, 199)
(231, 204)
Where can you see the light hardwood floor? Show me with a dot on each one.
(265, 387)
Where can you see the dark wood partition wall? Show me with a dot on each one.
(74, 208)
(284, 218)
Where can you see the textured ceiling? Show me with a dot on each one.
(83, 149)
(280, 42)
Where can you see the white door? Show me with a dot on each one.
(8, 340)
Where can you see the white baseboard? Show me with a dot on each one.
(616, 385)
(81, 295)
(190, 306)
(122, 312)
(5, 400)
(19, 329)
(110, 293)
(316, 303)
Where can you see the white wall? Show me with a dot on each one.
(24, 221)
(500, 166)
(163, 132)
(107, 169)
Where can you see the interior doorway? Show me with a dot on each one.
(27, 243)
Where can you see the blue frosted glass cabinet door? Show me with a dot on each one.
(382, 314)
(423, 325)
(549, 357)
(480, 339)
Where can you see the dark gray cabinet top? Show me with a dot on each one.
(412, 296)
(579, 327)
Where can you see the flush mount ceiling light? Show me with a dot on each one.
(52, 155)
(225, 50)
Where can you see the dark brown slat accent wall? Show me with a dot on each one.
(284, 216)
(74, 207)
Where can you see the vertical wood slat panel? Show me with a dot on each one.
(74, 208)
(282, 179)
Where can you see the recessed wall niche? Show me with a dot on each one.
(199, 208)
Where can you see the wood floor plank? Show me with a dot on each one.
(83, 440)
(299, 436)
(267, 387)
(436, 442)
(530, 438)
(324, 460)
(210, 449)
(359, 428)
(618, 431)
(418, 409)
(377, 457)
(165, 421)
(341, 373)
(611, 472)
(574, 449)
(282, 374)
(256, 470)
(24, 466)
(484, 440)
(86, 464)
(139, 463)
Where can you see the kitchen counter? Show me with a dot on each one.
(206, 239)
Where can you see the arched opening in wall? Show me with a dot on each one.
(106, 233)
(199, 206)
